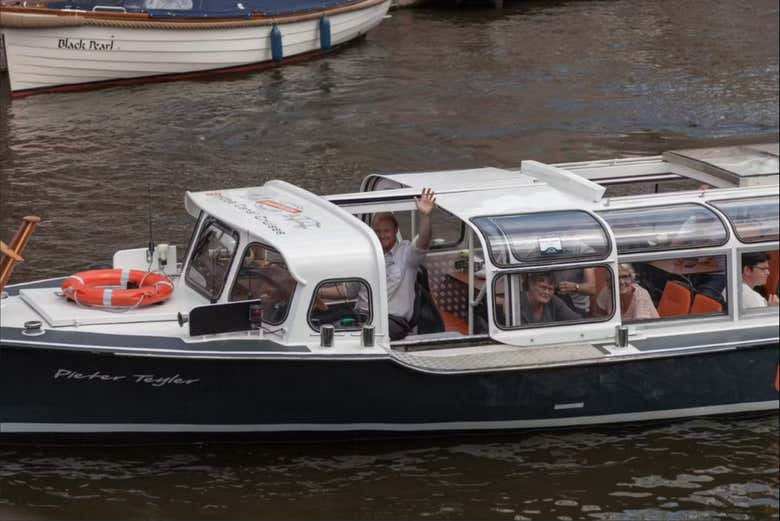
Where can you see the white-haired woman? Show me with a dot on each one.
(635, 301)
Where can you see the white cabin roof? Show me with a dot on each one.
(494, 191)
(309, 231)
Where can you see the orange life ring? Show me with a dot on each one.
(108, 288)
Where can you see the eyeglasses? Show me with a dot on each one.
(761, 268)
(545, 288)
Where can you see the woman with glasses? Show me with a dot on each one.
(635, 301)
(540, 303)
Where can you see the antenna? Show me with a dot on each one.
(150, 250)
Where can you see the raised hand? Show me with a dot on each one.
(426, 202)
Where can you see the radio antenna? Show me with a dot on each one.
(150, 251)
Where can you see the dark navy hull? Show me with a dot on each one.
(63, 390)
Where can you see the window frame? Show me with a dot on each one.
(413, 227)
(547, 261)
(667, 248)
(660, 255)
(208, 221)
(292, 292)
(319, 285)
(591, 320)
(714, 204)
(742, 311)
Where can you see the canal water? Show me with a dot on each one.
(430, 88)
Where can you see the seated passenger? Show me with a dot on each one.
(539, 303)
(635, 301)
(575, 287)
(755, 272)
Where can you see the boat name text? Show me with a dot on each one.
(149, 379)
(270, 215)
(85, 45)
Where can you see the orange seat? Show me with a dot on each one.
(774, 272)
(675, 300)
(453, 322)
(703, 304)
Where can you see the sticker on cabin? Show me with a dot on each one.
(278, 205)
(269, 212)
(85, 45)
(152, 380)
(550, 245)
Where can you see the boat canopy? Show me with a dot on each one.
(495, 191)
(201, 8)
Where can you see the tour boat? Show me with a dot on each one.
(254, 328)
(71, 45)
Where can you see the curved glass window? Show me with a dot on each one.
(754, 219)
(545, 298)
(263, 275)
(673, 227)
(211, 258)
(546, 237)
(343, 303)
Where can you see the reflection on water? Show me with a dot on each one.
(700, 469)
(428, 89)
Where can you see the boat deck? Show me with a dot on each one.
(497, 357)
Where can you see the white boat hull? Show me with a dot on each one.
(51, 57)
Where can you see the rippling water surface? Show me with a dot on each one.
(700, 469)
(433, 88)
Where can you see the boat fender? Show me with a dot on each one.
(276, 44)
(324, 33)
(117, 288)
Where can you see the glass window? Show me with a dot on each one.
(538, 298)
(680, 226)
(759, 272)
(336, 303)
(543, 237)
(211, 258)
(676, 287)
(448, 231)
(753, 220)
(264, 275)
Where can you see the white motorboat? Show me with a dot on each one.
(75, 45)
(247, 336)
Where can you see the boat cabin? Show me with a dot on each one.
(542, 254)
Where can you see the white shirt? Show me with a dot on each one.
(751, 298)
(401, 264)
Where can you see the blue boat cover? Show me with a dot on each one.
(201, 8)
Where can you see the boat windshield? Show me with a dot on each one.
(211, 258)
(670, 227)
(754, 219)
(263, 275)
(543, 238)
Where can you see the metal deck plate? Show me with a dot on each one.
(494, 357)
